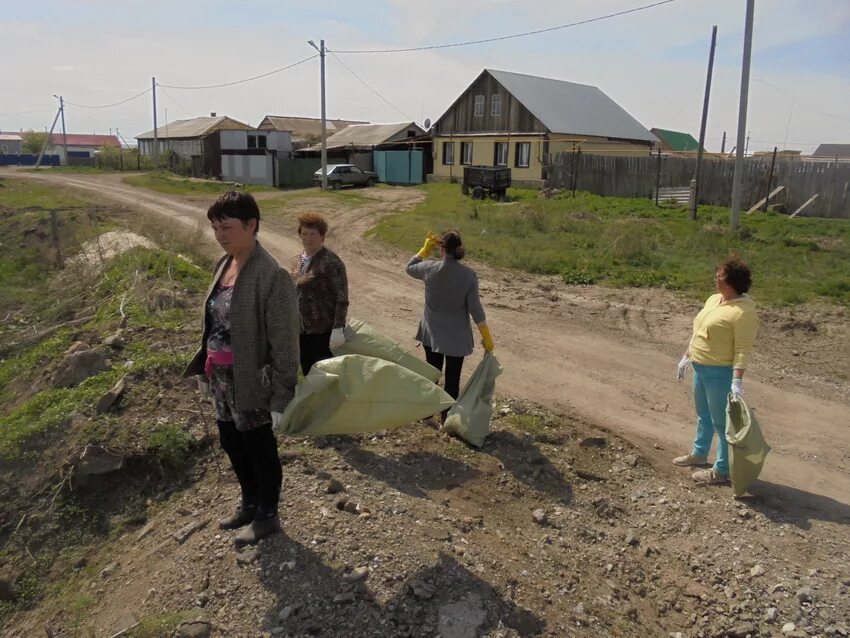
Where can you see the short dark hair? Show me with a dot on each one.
(737, 274)
(453, 244)
(235, 205)
(313, 220)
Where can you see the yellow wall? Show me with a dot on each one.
(483, 149)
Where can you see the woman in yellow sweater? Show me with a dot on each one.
(723, 336)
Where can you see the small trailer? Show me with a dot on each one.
(481, 181)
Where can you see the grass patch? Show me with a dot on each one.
(96, 170)
(31, 194)
(165, 182)
(624, 242)
(534, 426)
(158, 625)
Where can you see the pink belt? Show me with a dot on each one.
(217, 358)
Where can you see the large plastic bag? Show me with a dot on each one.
(356, 394)
(470, 417)
(747, 447)
(361, 338)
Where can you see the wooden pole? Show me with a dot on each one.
(657, 176)
(692, 213)
(769, 179)
(738, 177)
(54, 229)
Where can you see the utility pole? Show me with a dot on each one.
(64, 134)
(692, 214)
(723, 144)
(737, 179)
(47, 140)
(321, 50)
(155, 135)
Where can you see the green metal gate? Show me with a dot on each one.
(297, 172)
(400, 167)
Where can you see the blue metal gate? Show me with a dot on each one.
(400, 167)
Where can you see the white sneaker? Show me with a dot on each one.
(690, 459)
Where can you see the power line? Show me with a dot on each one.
(170, 97)
(106, 106)
(803, 104)
(255, 77)
(363, 82)
(508, 37)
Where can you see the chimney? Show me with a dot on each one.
(212, 114)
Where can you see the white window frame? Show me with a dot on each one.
(495, 105)
(479, 106)
(448, 158)
(497, 155)
(518, 159)
(466, 149)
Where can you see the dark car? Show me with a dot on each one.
(340, 175)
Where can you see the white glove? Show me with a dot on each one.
(337, 338)
(737, 390)
(277, 419)
(204, 390)
(683, 365)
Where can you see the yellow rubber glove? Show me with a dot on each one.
(486, 337)
(431, 241)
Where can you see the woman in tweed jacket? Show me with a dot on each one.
(248, 356)
(322, 286)
(451, 298)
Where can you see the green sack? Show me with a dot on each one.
(361, 338)
(470, 417)
(353, 394)
(747, 447)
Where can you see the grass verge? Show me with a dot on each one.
(622, 242)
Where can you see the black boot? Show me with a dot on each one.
(240, 518)
(258, 529)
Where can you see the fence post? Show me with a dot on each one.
(657, 176)
(54, 229)
(575, 172)
(121, 160)
(692, 199)
(769, 180)
(139, 161)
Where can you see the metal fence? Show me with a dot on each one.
(641, 176)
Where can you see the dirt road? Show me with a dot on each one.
(607, 356)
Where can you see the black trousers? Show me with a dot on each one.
(451, 374)
(253, 455)
(314, 348)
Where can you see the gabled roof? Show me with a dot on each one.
(10, 137)
(77, 139)
(303, 127)
(832, 150)
(570, 108)
(676, 140)
(367, 135)
(196, 127)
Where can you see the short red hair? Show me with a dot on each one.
(313, 220)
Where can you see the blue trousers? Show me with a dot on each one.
(711, 389)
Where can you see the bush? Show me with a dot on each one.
(169, 443)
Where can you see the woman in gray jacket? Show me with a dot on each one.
(249, 359)
(451, 297)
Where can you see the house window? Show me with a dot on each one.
(479, 105)
(256, 141)
(466, 152)
(448, 152)
(523, 154)
(500, 155)
(261, 141)
(496, 105)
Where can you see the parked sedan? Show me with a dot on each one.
(340, 175)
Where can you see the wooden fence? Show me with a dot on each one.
(627, 176)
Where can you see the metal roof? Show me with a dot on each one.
(11, 137)
(195, 127)
(81, 139)
(832, 150)
(301, 127)
(676, 140)
(367, 135)
(577, 109)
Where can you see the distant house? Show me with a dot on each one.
(11, 143)
(517, 120)
(80, 145)
(675, 141)
(356, 143)
(305, 131)
(195, 140)
(253, 156)
(833, 151)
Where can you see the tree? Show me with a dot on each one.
(33, 141)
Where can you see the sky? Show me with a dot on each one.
(652, 62)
